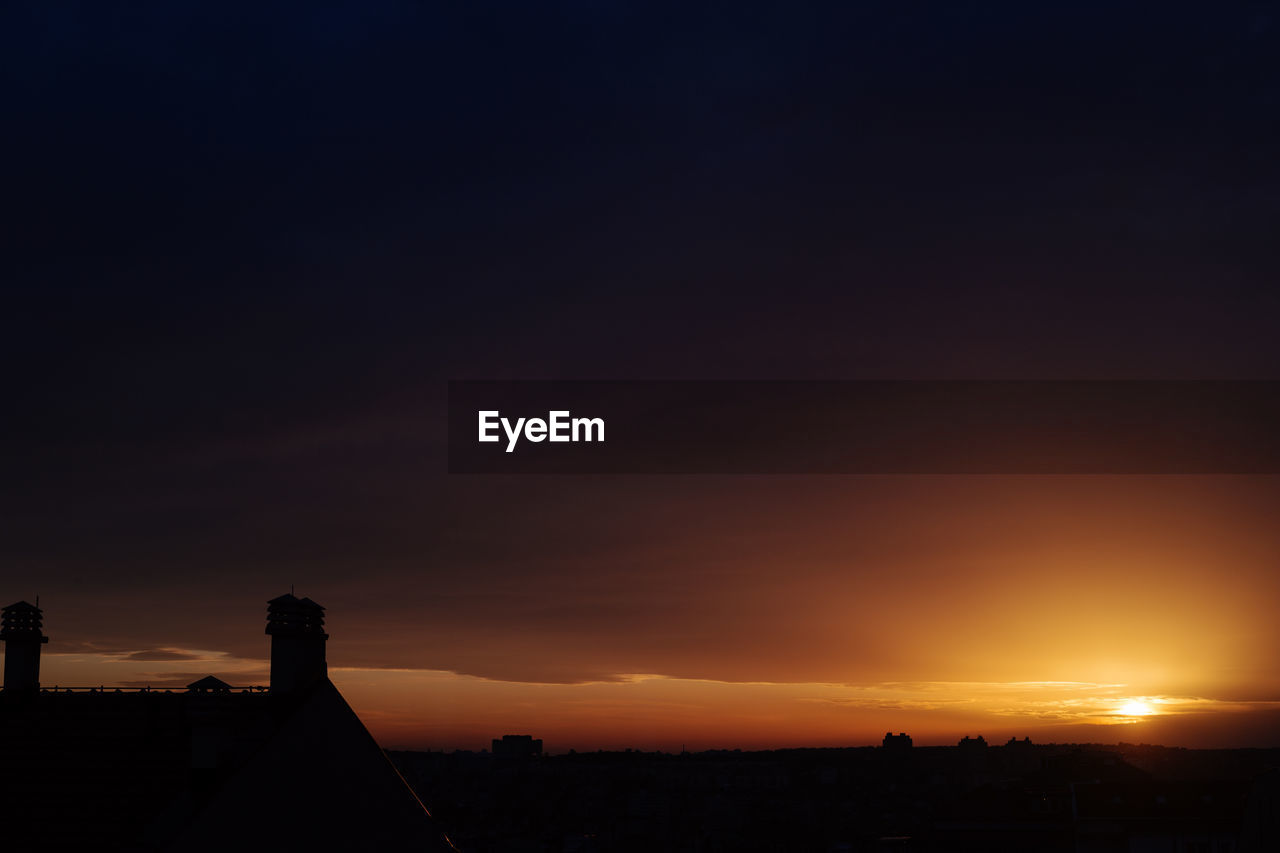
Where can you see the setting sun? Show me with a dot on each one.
(1137, 708)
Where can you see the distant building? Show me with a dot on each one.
(901, 740)
(967, 742)
(517, 746)
(211, 766)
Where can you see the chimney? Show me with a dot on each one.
(20, 630)
(296, 626)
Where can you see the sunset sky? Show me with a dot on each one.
(244, 262)
(755, 611)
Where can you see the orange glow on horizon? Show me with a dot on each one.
(426, 709)
(788, 612)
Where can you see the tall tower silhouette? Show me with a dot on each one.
(20, 629)
(296, 626)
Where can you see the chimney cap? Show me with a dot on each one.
(292, 616)
(22, 606)
(22, 620)
(289, 601)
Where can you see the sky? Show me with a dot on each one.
(246, 249)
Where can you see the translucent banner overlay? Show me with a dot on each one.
(864, 427)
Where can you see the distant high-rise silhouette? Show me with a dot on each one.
(901, 740)
(518, 746)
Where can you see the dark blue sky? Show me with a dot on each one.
(370, 194)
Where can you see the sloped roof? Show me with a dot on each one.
(319, 781)
(164, 770)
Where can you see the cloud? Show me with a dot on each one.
(160, 655)
(1043, 701)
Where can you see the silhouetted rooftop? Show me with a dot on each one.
(157, 768)
(209, 682)
(172, 769)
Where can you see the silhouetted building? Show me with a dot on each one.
(1069, 799)
(20, 629)
(296, 626)
(1261, 829)
(290, 767)
(967, 742)
(209, 684)
(1159, 815)
(900, 741)
(517, 746)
